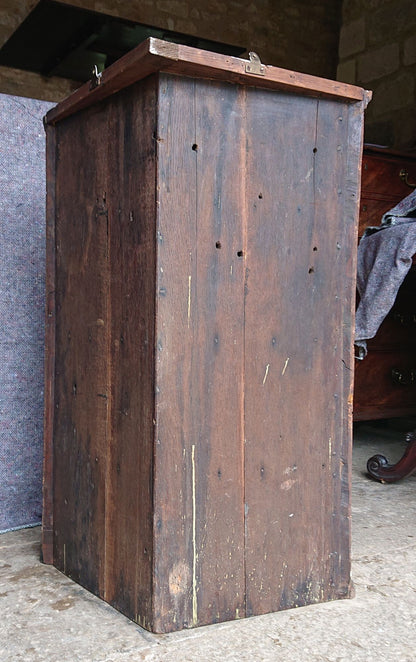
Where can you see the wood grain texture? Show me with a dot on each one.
(131, 352)
(201, 344)
(155, 55)
(205, 259)
(219, 348)
(297, 432)
(174, 462)
(104, 366)
(82, 337)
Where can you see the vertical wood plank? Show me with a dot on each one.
(353, 115)
(295, 311)
(131, 195)
(49, 404)
(82, 337)
(217, 315)
(174, 463)
(200, 349)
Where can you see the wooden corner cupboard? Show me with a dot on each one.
(202, 222)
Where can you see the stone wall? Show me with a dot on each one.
(299, 35)
(377, 50)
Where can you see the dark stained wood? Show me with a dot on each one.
(219, 349)
(379, 468)
(131, 208)
(205, 273)
(82, 340)
(177, 406)
(105, 328)
(200, 517)
(154, 55)
(300, 239)
(382, 186)
(47, 509)
(378, 392)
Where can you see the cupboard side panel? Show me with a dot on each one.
(82, 339)
(131, 195)
(298, 258)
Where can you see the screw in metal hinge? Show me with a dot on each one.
(254, 66)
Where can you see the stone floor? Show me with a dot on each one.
(46, 617)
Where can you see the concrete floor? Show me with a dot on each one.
(46, 617)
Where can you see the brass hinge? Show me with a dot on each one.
(254, 65)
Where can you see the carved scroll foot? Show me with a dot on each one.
(379, 468)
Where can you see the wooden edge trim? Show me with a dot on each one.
(49, 366)
(157, 55)
(192, 61)
(134, 66)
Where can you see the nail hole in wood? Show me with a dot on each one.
(195, 147)
(240, 253)
(315, 149)
(217, 244)
(315, 248)
(260, 196)
(311, 270)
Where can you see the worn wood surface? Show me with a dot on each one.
(300, 238)
(205, 275)
(82, 338)
(155, 55)
(103, 437)
(131, 209)
(200, 505)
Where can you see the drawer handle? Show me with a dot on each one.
(404, 175)
(404, 378)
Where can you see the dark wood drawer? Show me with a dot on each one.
(381, 175)
(385, 384)
(382, 185)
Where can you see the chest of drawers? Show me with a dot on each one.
(385, 382)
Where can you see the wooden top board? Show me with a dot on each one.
(156, 55)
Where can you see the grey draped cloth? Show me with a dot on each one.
(384, 258)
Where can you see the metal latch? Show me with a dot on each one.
(95, 80)
(254, 66)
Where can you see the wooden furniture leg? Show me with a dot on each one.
(379, 468)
